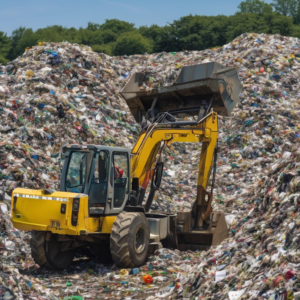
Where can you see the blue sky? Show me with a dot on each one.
(77, 13)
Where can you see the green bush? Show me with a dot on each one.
(132, 43)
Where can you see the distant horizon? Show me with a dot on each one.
(36, 14)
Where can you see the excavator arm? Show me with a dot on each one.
(203, 92)
(146, 150)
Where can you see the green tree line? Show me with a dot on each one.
(193, 32)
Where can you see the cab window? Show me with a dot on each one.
(120, 167)
(99, 182)
(76, 173)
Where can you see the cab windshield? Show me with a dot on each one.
(77, 172)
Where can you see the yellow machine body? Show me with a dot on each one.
(33, 210)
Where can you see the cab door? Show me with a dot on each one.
(119, 182)
(121, 178)
(98, 184)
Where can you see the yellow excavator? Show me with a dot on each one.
(101, 203)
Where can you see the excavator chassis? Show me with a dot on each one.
(166, 230)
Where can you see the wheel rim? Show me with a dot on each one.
(140, 241)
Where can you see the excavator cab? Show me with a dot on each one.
(102, 173)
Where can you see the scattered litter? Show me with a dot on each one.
(61, 93)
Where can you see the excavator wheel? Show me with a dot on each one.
(47, 253)
(37, 245)
(129, 240)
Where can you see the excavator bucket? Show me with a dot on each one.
(188, 239)
(207, 84)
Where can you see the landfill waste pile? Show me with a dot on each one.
(63, 93)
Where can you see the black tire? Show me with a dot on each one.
(37, 245)
(47, 253)
(129, 240)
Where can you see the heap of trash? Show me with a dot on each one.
(58, 93)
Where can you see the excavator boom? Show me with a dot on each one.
(146, 149)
